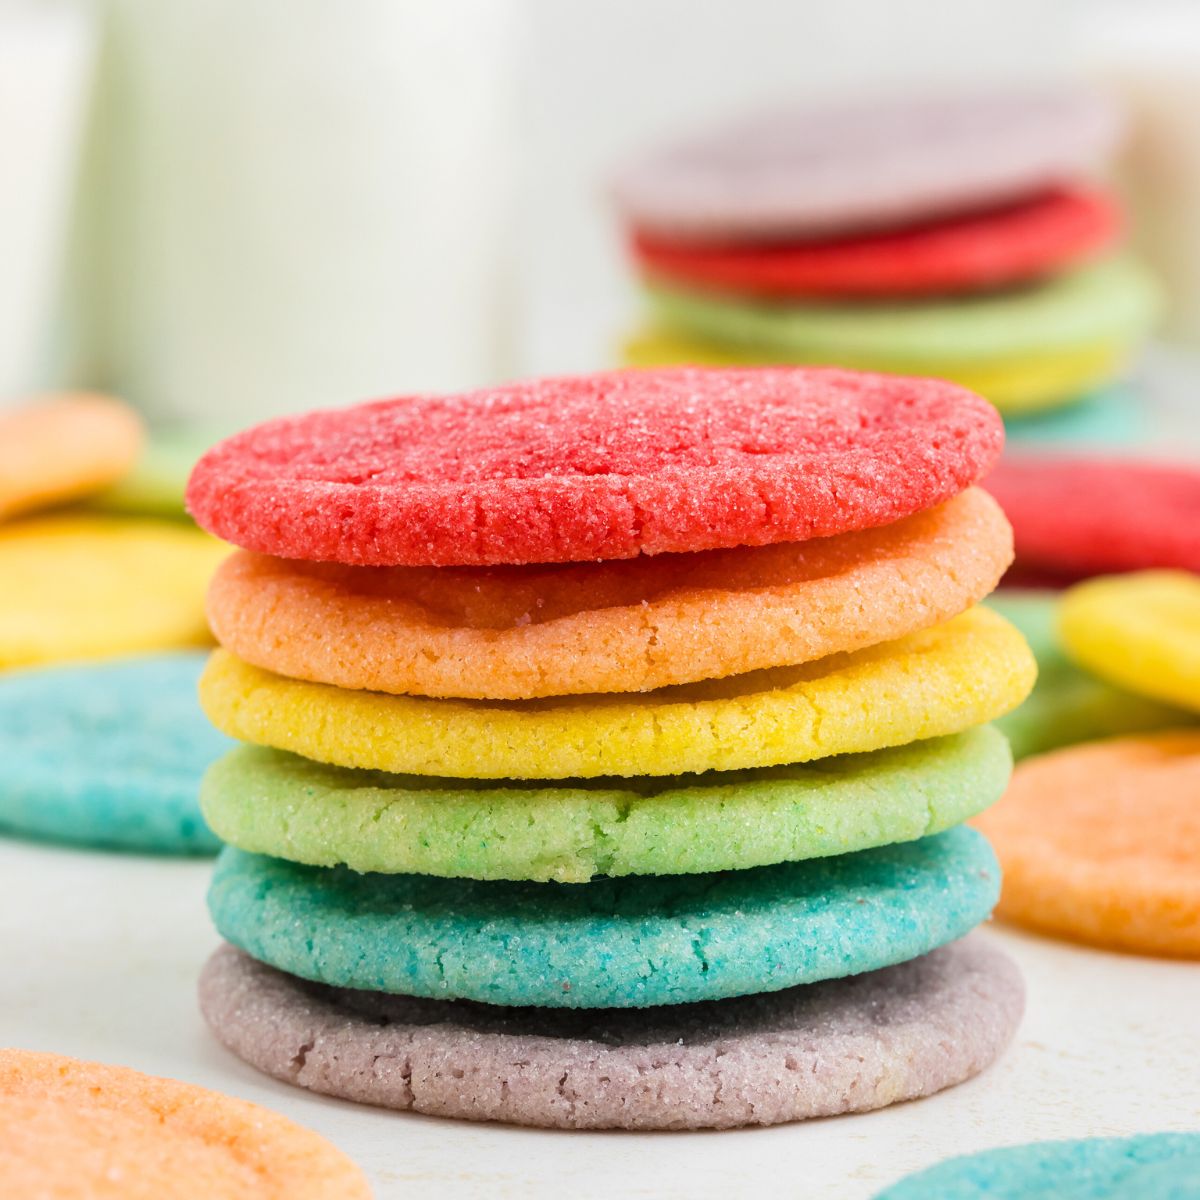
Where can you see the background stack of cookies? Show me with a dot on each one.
(609, 740)
(957, 238)
(101, 629)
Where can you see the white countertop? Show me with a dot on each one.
(101, 953)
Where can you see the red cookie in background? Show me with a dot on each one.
(600, 466)
(1075, 517)
(998, 247)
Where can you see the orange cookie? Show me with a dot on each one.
(636, 624)
(63, 448)
(85, 1131)
(1101, 842)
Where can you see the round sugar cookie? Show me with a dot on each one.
(821, 170)
(109, 754)
(80, 587)
(1016, 385)
(1139, 631)
(64, 447)
(511, 633)
(936, 681)
(1100, 842)
(1068, 705)
(1026, 239)
(271, 802)
(1113, 416)
(1108, 302)
(1082, 516)
(598, 466)
(77, 1130)
(612, 943)
(846, 1045)
(1148, 1166)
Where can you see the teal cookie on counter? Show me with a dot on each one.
(1150, 1166)
(108, 754)
(612, 943)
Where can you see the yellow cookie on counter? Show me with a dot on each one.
(77, 587)
(936, 681)
(1140, 631)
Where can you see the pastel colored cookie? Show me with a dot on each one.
(270, 802)
(1149, 1166)
(1109, 302)
(1082, 516)
(1068, 705)
(109, 754)
(1113, 416)
(511, 633)
(156, 483)
(1026, 239)
(64, 447)
(847, 1045)
(612, 943)
(599, 466)
(1139, 631)
(821, 170)
(1017, 385)
(1100, 843)
(84, 1129)
(92, 587)
(933, 682)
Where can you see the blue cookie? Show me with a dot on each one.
(108, 754)
(1112, 417)
(1152, 1166)
(611, 943)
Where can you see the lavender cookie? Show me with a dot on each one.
(847, 1045)
(812, 172)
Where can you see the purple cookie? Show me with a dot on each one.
(815, 172)
(848, 1045)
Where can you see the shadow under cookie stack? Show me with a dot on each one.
(608, 744)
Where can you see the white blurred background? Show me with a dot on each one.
(224, 209)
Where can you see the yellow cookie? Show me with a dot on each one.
(511, 633)
(77, 1130)
(937, 681)
(1014, 385)
(63, 448)
(1139, 631)
(90, 587)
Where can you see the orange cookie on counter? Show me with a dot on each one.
(85, 1131)
(1100, 843)
(63, 448)
(628, 625)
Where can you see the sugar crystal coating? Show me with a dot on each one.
(848, 1045)
(598, 466)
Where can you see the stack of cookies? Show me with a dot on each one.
(609, 743)
(955, 238)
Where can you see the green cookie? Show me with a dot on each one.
(1067, 704)
(271, 802)
(1113, 301)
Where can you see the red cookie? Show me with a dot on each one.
(1074, 517)
(991, 249)
(598, 466)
